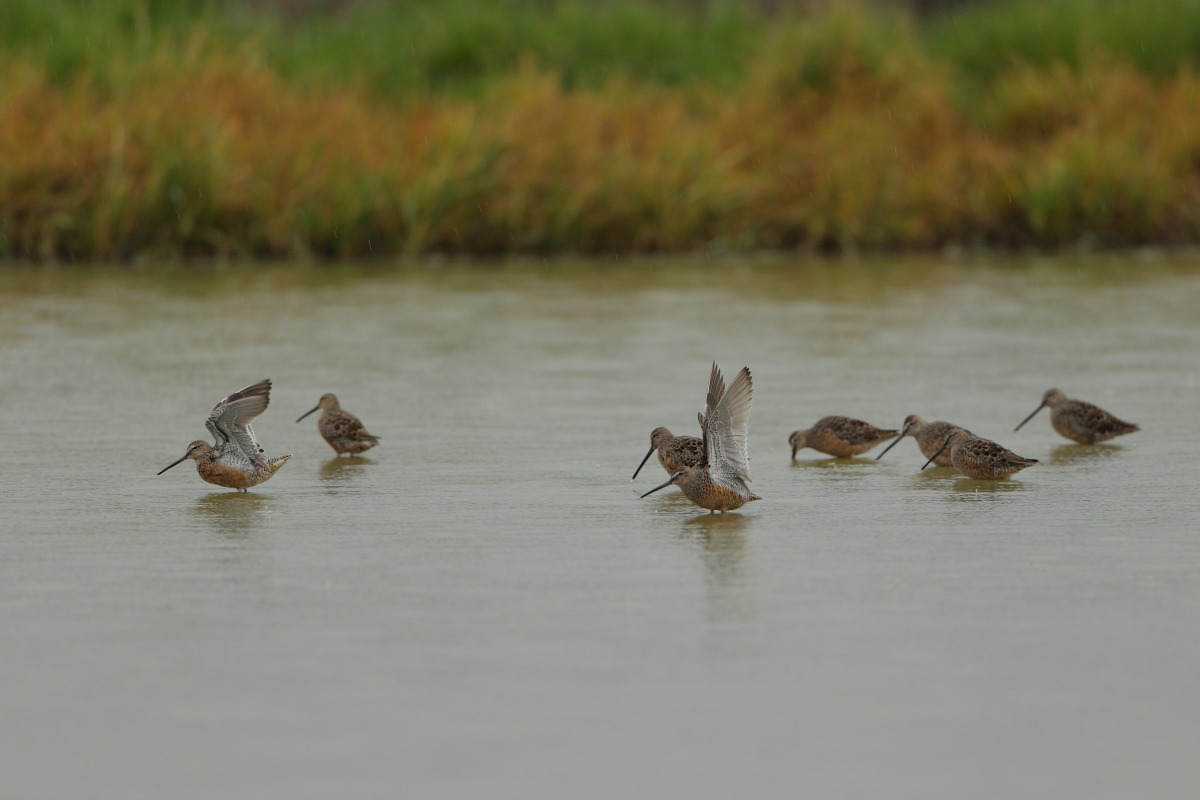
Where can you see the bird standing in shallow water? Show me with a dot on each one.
(980, 458)
(674, 452)
(236, 461)
(842, 437)
(1079, 421)
(342, 430)
(719, 482)
(929, 437)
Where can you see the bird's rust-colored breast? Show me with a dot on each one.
(706, 493)
(232, 477)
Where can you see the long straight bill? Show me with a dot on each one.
(660, 486)
(889, 447)
(644, 460)
(1039, 408)
(173, 464)
(945, 444)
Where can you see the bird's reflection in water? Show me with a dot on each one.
(933, 478)
(1076, 454)
(972, 491)
(722, 538)
(847, 464)
(339, 468)
(671, 499)
(232, 513)
(839, 474)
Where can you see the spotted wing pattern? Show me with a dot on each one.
(725, 421)
(982, 458)
(229, 422)
(1087, 420)
(855, 431)
(686, 451)
(344, 425)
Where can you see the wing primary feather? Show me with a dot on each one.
(726, 425)
(230, 419)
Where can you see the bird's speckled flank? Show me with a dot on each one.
(981, 458)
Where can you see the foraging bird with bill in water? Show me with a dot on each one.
(929, 437)
(979, 458)
(841, 437)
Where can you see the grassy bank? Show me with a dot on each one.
(185, 129)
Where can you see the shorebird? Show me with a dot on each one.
(929, 437)
(674, 452)
(237, 461)
(980, 458)
(718, 483)
(1079, 421)
(843, 437)
(342, 430)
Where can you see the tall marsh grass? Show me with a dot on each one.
(841, 131)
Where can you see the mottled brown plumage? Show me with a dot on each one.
(980, 458)
(930, 436)
(1079, 421)
(719, 482)
(842, 437)
(343, 431)
(674, 452)
(237, 461)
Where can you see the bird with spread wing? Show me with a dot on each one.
(718, 483)
(235, 460)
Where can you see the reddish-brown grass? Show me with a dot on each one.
(210, 153)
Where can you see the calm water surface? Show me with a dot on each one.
(482, 606)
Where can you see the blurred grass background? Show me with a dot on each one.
(479, 127)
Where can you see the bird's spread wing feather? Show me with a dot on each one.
(716, 389)
(726, 419)
(230, 419)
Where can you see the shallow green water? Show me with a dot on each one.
(482, 606)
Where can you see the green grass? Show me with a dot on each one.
(432, 46)
(66, 37)
(399, 48)
(440, 45)
(986, 41)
